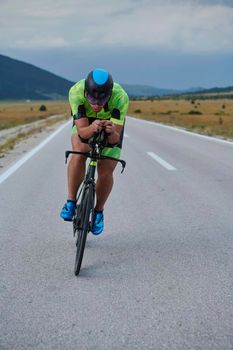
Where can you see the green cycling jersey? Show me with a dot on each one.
(115, 109)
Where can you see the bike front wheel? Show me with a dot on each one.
(84, 213)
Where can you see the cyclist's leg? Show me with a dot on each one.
(76, 166)
(75, 175)
(105, 182)
(105, 173)
(103, 188)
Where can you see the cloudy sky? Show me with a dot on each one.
(164, 43)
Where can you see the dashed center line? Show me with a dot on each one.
(161, 161)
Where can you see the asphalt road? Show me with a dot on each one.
(160, 276)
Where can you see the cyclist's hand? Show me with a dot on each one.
(96, 126)
(108, 127)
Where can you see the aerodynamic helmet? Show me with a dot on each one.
(98, 86)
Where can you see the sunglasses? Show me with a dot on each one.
(100, 101)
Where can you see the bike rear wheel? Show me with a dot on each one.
(83, 214)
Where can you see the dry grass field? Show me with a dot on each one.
(209, 117)
(18, 113)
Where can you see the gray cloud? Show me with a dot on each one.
(195, 2)
(187, 26)
(215, 2)
(124, 12)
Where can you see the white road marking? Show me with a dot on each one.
(209, 138)
(23, 160)
(161, 161)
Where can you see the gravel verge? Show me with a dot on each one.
(41, 129)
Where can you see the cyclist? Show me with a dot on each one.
(97, 103)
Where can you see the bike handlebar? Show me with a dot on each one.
(88, 155)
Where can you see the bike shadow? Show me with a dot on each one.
(115, 258)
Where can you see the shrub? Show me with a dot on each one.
(220, 113)
(223, 106)
(220, 121)
(42, 108)
(195, 112)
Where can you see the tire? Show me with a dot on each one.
(76, 221)
(85, 208)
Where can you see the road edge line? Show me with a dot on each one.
(210, 138)
(30, 154)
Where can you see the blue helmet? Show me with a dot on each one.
(99, 84)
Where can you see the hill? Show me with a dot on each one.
(23, 81)
(147, 91)
(213, 93)
(217, 90)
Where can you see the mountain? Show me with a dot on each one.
(147, 91)
(23, 81)
(151, 91)
(213, 93)
(194, 89)
(217, 90)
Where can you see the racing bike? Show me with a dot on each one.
(85, 201)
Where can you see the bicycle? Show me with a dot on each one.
(85, 201)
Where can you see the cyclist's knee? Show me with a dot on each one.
(78, 145)
(78, 159)
(106, 168)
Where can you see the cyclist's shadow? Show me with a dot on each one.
(109, 258)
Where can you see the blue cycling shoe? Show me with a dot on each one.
(68, 210)
(98, 223)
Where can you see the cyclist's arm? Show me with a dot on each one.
(115, 136)
(85, 130)
(81, 121)
(77, 100)
(113, 131)
(118, 117)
